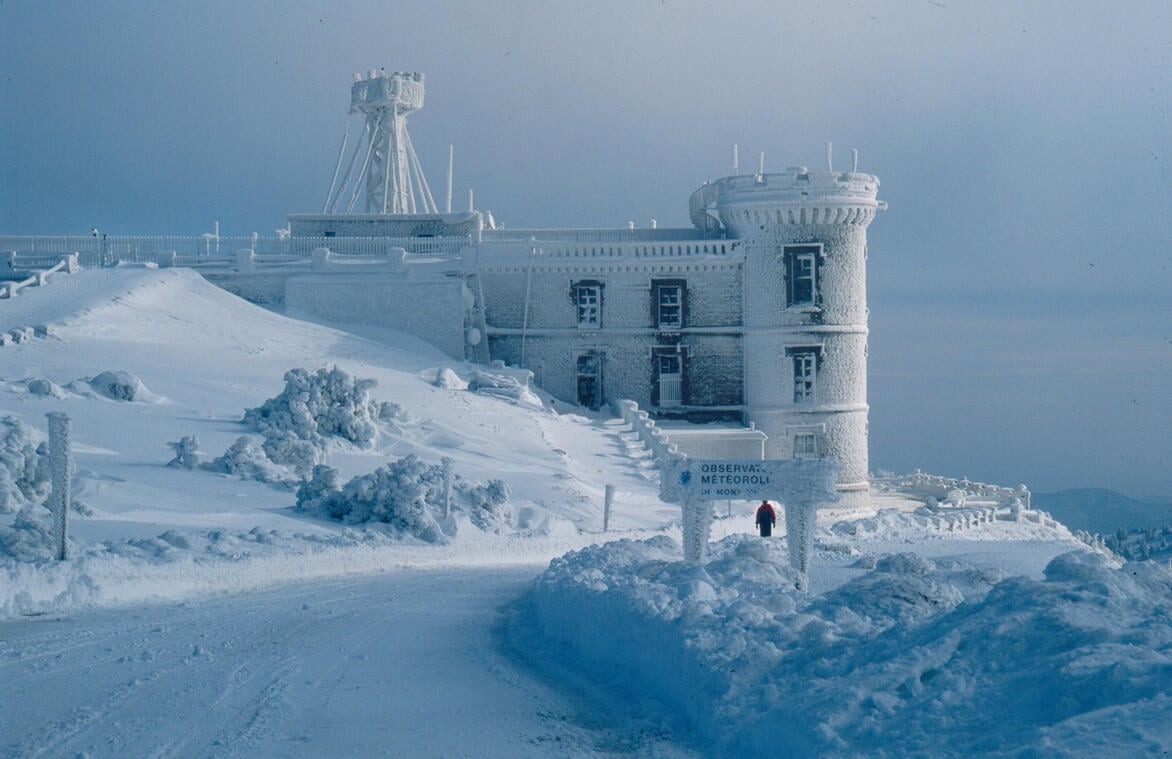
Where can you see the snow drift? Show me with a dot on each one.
(914, 657)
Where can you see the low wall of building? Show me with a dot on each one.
(432, 310)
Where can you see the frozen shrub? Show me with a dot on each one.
(407, 494)
(24, 466)
(246, 458)
(118, 386)
(30, 538)
(44, 388)
(299, 455)
(327, 403)
(487, 505)
(187, 455)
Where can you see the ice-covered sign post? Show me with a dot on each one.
(799, 484)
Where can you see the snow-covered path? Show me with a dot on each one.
(408, 663)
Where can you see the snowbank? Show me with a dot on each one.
(913, 657)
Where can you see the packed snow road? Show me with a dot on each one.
(411, 663)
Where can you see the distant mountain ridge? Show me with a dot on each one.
(1103, 511)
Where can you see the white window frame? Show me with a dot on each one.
(806, 260)
(805, 445)
(672, 305)
(805, 366)
(588, 300)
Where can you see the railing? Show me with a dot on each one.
(104, 251)
(650, 435)
(953, 491)
(44, 266)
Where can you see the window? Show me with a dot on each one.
(588, 300)
(801, 274)
(667, 303)
(671, 376)
(590, 380)
(806, 446)
(805, 362)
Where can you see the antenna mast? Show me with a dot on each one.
(391, 175)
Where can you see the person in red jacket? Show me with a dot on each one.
(766, 519)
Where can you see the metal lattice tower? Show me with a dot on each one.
(389, 173)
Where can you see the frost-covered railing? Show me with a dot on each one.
(958, 503)
(594, 234)
(954, 491)
(649, 434)
(634, 249)
(104, 251)
(40, 268)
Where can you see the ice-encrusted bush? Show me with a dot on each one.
(44, 388)
(247, 458)
(30, 538)
(118, 386)
(327, 403)
(24, 466)
(296, 427)
(187, 453)
(407, 494)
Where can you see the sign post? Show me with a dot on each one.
(798, 484)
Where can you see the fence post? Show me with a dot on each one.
(447, 464)
(60, 466)
(606, 504)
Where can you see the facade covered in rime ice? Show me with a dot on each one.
(756, 314)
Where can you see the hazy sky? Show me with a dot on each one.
(1020, 284)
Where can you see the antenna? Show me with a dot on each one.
(761, 164)
(830, 156)
(471, 207)
(391, 175)
(451, 155)
(736, 161)
(854, 160)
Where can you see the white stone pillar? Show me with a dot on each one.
(61, 474)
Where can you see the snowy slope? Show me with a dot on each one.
(204, 356)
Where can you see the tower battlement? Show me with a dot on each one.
(745, 204)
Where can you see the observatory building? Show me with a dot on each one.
(756, 314)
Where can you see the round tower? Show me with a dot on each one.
(805, 310)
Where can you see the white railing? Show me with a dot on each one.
(39, 268)
(953, 491)
(651, 436)
(104, 251)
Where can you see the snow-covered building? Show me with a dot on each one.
(757, 313)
